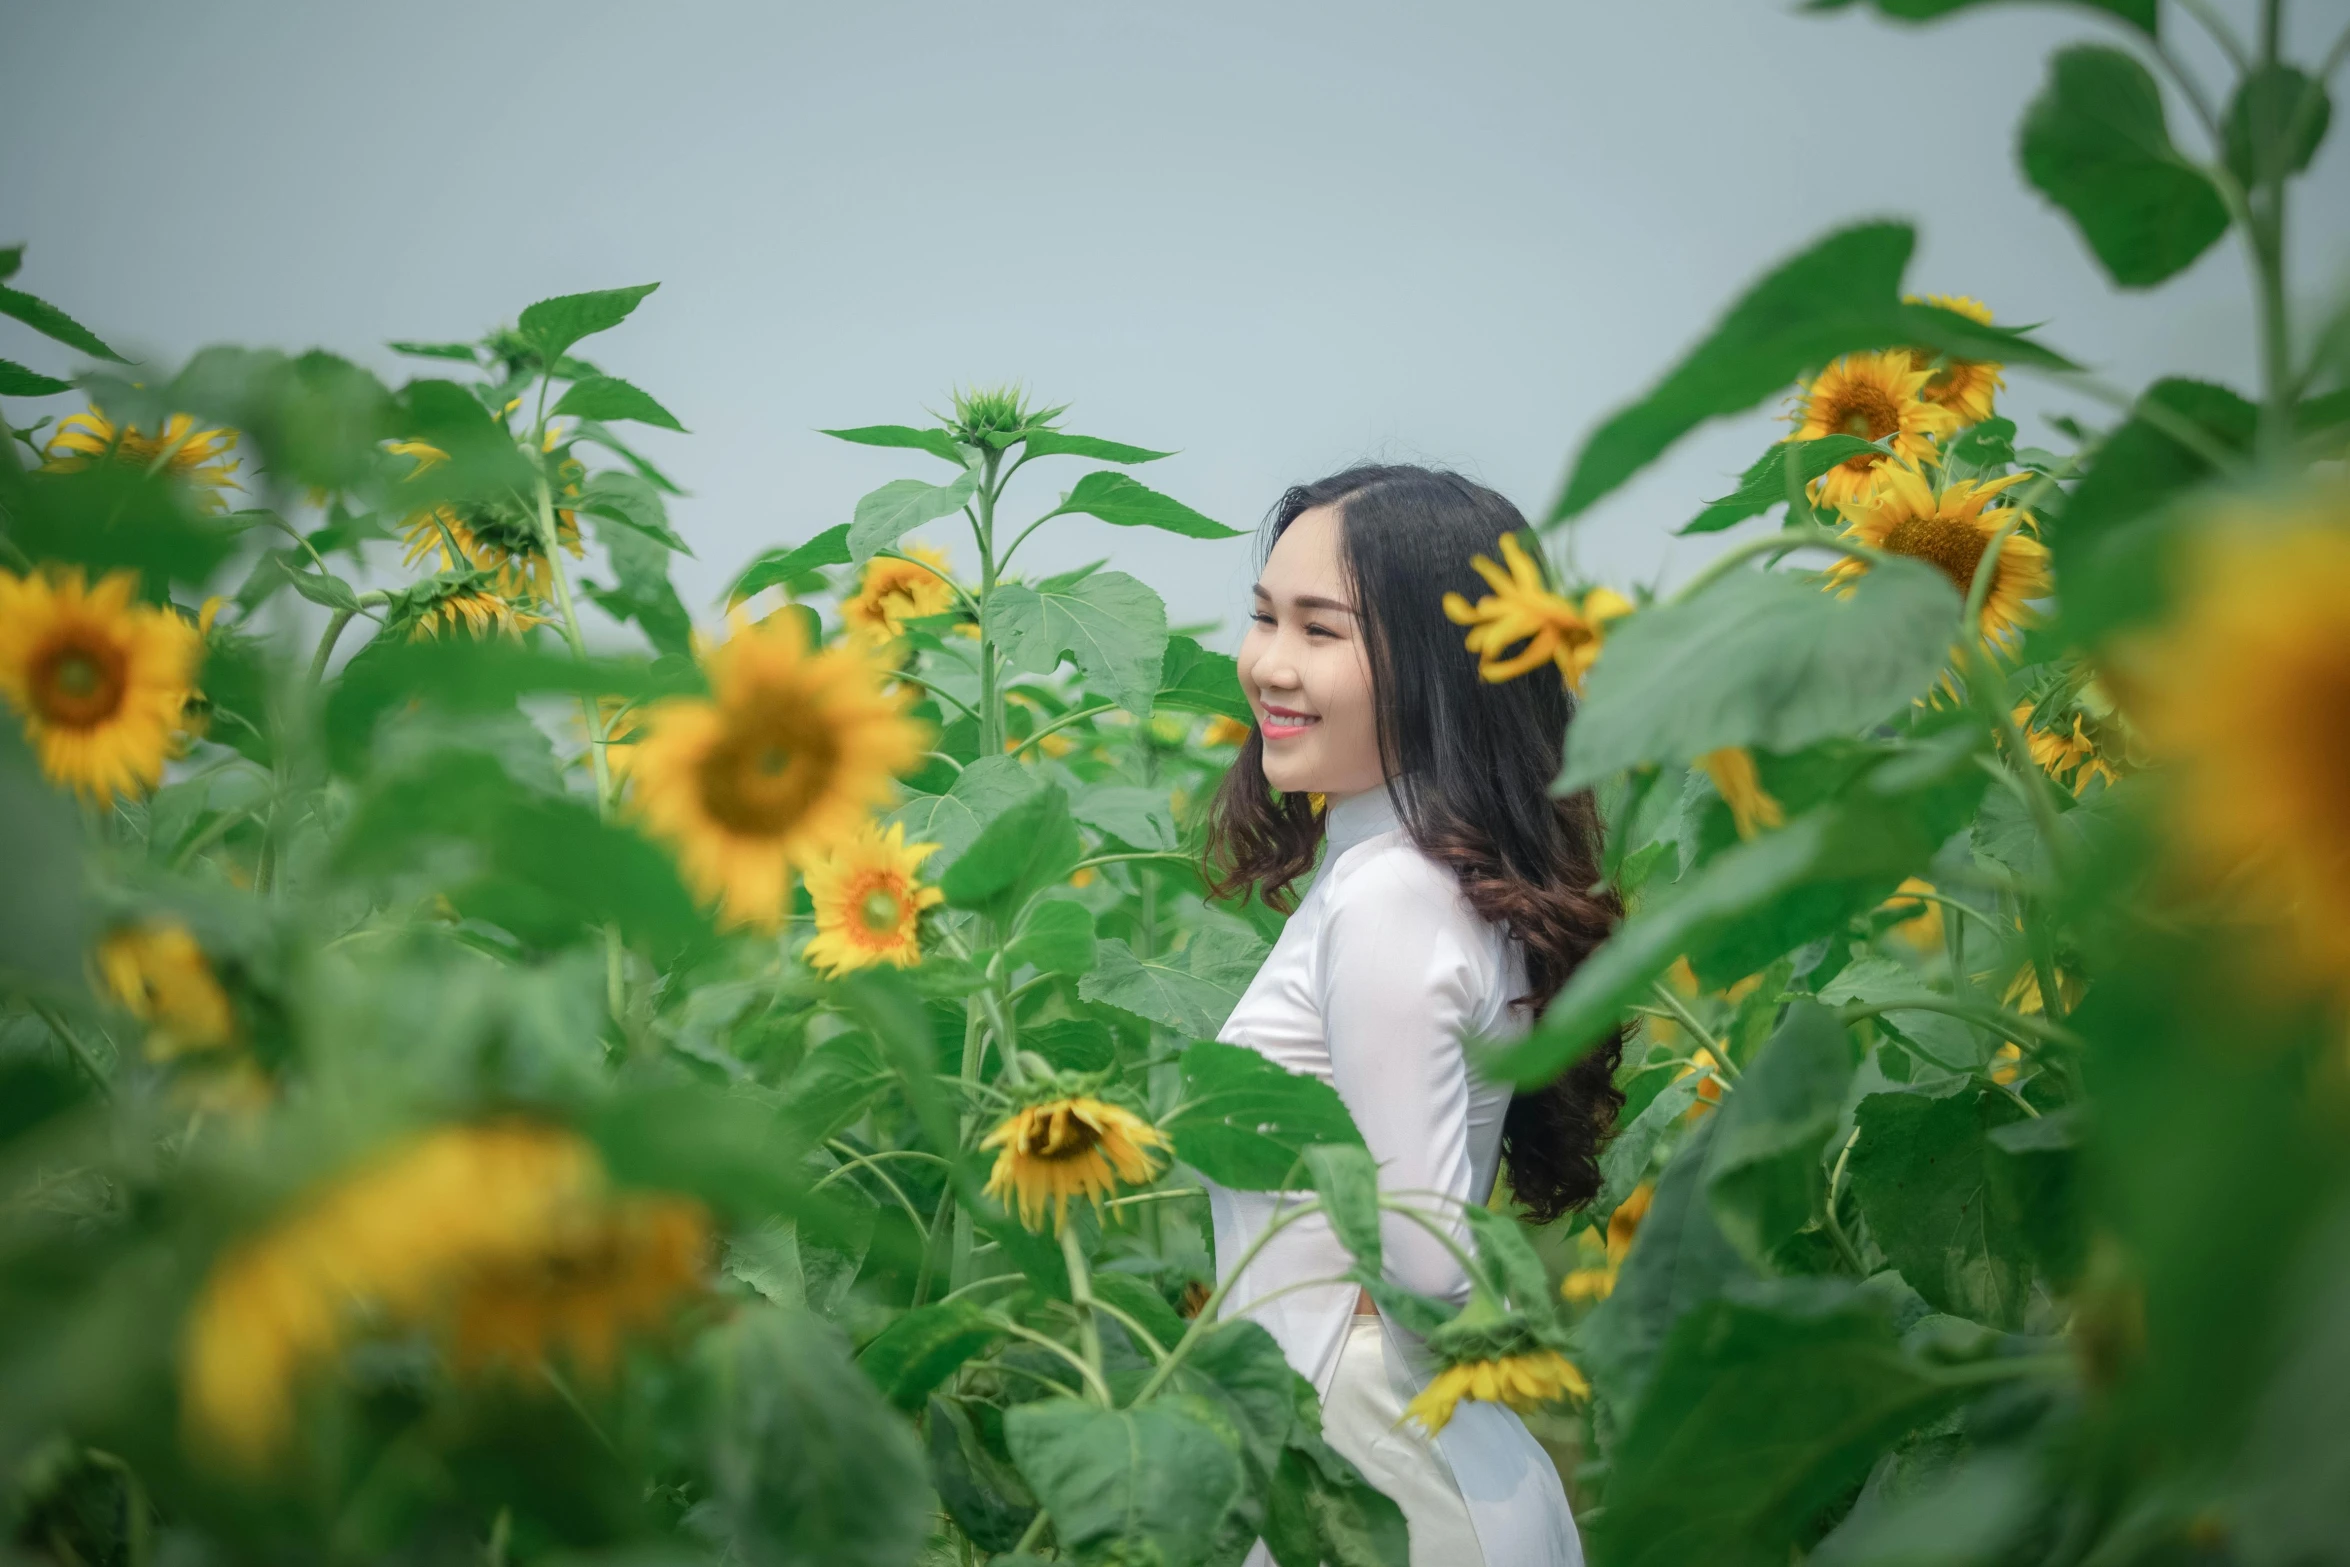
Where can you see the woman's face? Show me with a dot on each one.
(1305, 668)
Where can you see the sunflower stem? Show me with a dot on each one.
(1206, 1316)
(73, 1044)
(1688, 1020)
(1844, 1247)
(1089, 1328)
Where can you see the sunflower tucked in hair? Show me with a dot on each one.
(198, 456)
(1949, 529)
(1969, 388)
(1068, 1145)
(783, 762)
(1521, 608)
(895, 591)
(1872, 396)
(102, 681)
(160, 975)
(868, 904)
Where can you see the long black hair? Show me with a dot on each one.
(1479, 759)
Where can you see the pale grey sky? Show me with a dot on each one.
(1279, 237)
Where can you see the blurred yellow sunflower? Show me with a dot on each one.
(1921, 925)
(1222, 731)
(868, 903)
(1752, 807)
(1524, 1382)
(198, 456)
(1072, 1146)
(1871, 396)
(784, 761)
(1949, 529)
(1555, 630)
(589, 1284)
(894, 591)
(1585, 1285)
(160, 975)
(101, 680)
(1969, 388)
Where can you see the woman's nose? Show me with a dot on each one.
(1273, 669)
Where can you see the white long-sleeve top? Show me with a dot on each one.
(1378, 979)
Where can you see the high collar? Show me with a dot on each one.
(1352, 821)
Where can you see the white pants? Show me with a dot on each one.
(1359, 1418)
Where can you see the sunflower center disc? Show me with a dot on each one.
(880, 910)
(1063, 1135)
(79, 685)
(1869, 415)
(762, 774)
(1953, 548)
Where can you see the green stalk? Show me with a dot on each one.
(73, 1043)
(2268, 240)
(1089, 1329)
(1688, 1020)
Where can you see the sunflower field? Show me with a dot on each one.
(496, 1069)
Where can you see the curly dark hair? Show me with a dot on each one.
(1480, 758)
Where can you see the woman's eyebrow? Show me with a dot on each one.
(1305, 600)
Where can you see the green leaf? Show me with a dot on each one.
(1321, 1510)
(775, 567)
(1925, 1508)
(936, 442)
(54, 324)
(1346, 1178)
(2095, 143)
(1130, 813)
(609, 397)
(2276, 105)
(1195, 680)
(315, 419)
(468, 677)
(1027, 848)
(462, 353)
(1623, 1165)
(923, 1348)
(553, 325)
(1052, 443)
(11, 260)
(953, 820)
(1841, 296)
(630, 499)
(1072, 1044)
(2138, 13)
(1922, 1171)
(1766, 1177)
(111, 516)
(17, 381)
(643, 593)
(900, 506)
(1115, 498)
(2037, 1163)
(323, 588)
(984, 1493)
(1782, 471)
(1145, 1305)
(1057, 936)
(1769, 1407)
(1245, 1123)
(1509, 1258)
(1151, 1484)
(1763, 659)
(48, 921)
(808, 1467)
(1192, 992)
(1114, 627)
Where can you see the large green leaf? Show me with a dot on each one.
(1764, 659)
(989, 1500)
(1115, 498)
(1762, 1411)
(2138, 13)
(1029, 847)
(1194, 680)
(1191, 992)
(553, 325)
(1057, 936)
(315, 418)
(921, 1349)
(2095, 143)
(2281, 106)
(936, 442)
(901, 506)
(1131, 813)
(54, 324)
(643, 592)
(808, 1466)
(1766, 1175)
(633, 501)
(17, 381)
(1148, 1484)
(980, 793)
(48, 920)
(1923, 1172)
(1053, 443)
(1841, 296)
(465, 676)
(609, 397)
(1245, 1123)
(1624, 1163)
(1346, 1178)
(774, 567)
(1238, 1365)
(1776, 475)
(1114, 626)
(1321, 1510)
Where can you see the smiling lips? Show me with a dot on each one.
(1282, 723)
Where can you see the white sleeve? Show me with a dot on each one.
(1402, 976)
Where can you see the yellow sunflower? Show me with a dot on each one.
(1949, 529)
(2245, 697)
(590, 1284)
(1074, 1146)
(102, 681)
(1555, 630)
(1872, 396)
(1223, 731)
(786, 759)
(1584, 1285)
(1969, 388)
(469, 607)
(1751, 806)
(894, 591)
(198, 456)
(159, 974)
(1524, 1382)
(1921, 926)
(2071, 755)
(868, 904)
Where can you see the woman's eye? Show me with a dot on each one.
(1261, 618)
(1319, 631)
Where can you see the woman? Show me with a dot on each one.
(1454, 898)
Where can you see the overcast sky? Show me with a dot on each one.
(1277, 237)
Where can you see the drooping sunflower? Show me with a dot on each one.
(1072, 1145)
(1752, 807)
(200, 457)
(1555, 630)
(894, 591)
(102, 681)
(1950, 529)
(1872, 396)
(1494, 1358)
(2074, 733)
(462, 601)
(2245, 698)
(868, 903)
(791, 752)
(1969, 388)
(496, 538)
(160, 975)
